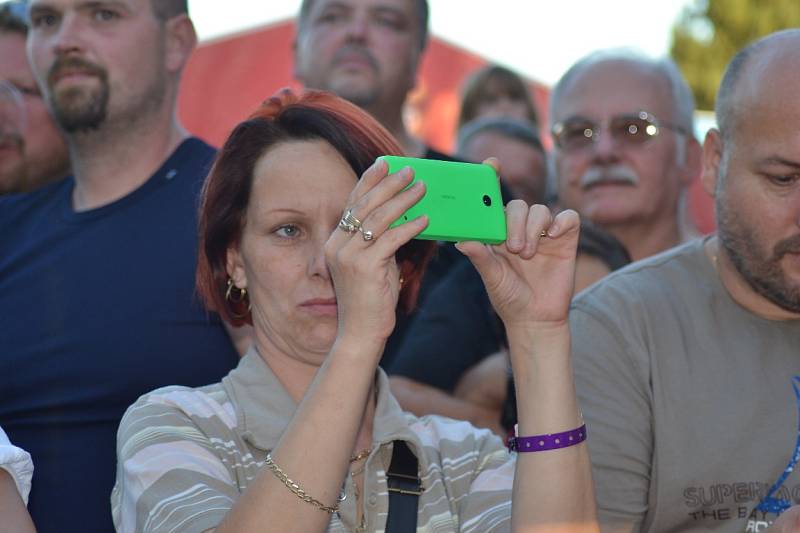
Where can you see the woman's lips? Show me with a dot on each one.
(320, 306)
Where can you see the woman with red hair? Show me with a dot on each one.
(304, 435)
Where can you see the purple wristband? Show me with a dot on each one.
(550, 441)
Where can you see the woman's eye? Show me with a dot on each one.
(287, 231)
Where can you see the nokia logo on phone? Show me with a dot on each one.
(448, 197)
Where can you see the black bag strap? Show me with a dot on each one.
(405, 487)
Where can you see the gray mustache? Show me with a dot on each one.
(612, 173)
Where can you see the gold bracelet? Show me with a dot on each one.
(295, 488)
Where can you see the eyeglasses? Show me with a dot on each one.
(580, 133)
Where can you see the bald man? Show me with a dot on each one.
(688, 364)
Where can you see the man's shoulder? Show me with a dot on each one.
(15, 207)
(197, 147)
(682, 267)
(193, 155)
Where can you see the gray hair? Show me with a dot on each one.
(682, 98)
(521, 130)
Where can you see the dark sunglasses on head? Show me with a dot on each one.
(578, 133)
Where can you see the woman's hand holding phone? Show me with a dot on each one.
(529, 278)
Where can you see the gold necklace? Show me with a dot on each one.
(360, 455)
(362, 526)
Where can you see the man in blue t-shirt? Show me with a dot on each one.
(97, 270)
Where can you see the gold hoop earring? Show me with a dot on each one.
(236, 299)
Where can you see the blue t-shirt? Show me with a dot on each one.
(97, 308)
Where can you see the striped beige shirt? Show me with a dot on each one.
(185, 455)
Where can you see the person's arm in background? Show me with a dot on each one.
(453, 331)
(16, 471)
(422, 399)
(15, 517)
(485, 383)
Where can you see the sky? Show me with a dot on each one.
(538, 39)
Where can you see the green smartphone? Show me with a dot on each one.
(462, 200)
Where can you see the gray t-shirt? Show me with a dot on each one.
(690, 400)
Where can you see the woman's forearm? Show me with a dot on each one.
(314, 450)
(553, 489)
(15, 517)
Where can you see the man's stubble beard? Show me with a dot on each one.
(362, 95)
(82, 110)
(760, 268)
(79, 110)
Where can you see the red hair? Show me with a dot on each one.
(287, 116)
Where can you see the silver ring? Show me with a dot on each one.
(350, 219)
(349, 223)
(366, 234)
(345, 227)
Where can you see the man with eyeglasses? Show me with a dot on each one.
(687, 364)
(97, 270)
(624, 147)
(32, 150)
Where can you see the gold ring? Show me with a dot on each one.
(543, 233)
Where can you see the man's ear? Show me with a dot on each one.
(181, 40)
(712, 157)
(235, 267)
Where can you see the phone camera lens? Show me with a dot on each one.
(486, 200)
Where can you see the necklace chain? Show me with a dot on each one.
(362, 526)
(360, 455)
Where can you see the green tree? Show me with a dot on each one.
(708, 34)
